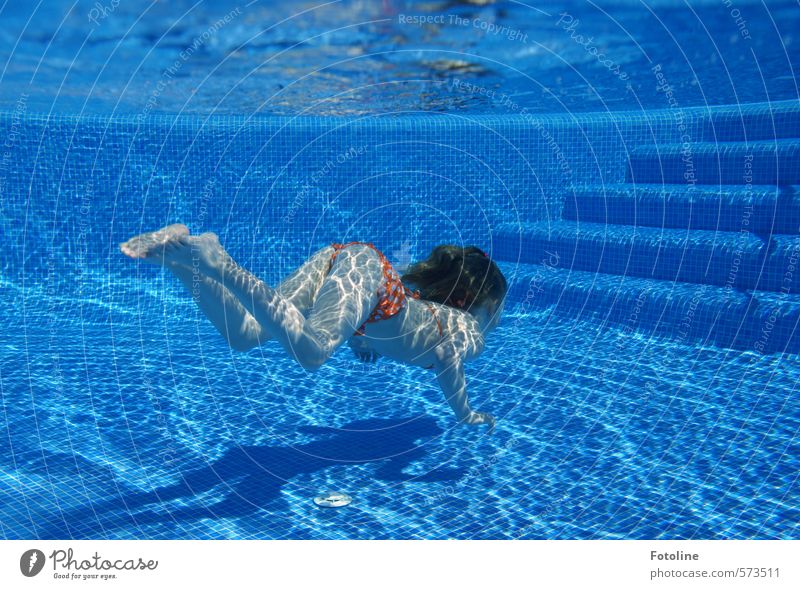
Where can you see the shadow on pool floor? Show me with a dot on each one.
(250, 478)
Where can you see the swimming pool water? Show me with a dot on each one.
(347, 58)
(643, 375)
(601, 434)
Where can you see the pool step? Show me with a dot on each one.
(741, 260)
(760, 321)
(750, 122)
(755, 162)
(701, 241)
(761, 209)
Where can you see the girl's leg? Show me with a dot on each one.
(343, 302)
(301, 287)
(239, 328)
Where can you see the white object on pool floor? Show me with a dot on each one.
(333, 500)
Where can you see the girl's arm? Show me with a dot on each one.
(449, 365)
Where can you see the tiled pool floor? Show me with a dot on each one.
(144, 425)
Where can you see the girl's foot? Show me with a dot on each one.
(156, 246)
(173, 246)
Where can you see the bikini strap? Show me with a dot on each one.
(432, 309)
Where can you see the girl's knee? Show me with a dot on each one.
(317, 348)
(310, 365)
(242, 346)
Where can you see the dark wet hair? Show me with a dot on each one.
(460, 277)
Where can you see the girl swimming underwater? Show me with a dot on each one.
(345, 292)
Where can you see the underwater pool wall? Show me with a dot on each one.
(277, 188)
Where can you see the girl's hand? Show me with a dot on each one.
(362, 350)
(478, 418)
(366, 356)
